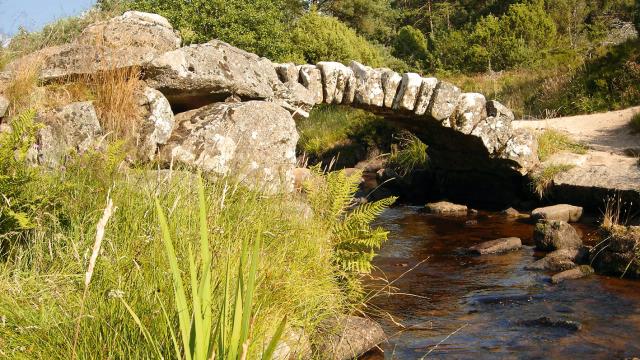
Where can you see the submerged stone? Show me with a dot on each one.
(497, 246)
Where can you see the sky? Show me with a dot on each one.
(34, 14)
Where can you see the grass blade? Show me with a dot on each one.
(268, 353)
(180, 295)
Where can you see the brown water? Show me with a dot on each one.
(479, 303)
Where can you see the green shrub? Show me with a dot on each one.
(411, 45)
(354, 240)
(21, 205)
(323, 38)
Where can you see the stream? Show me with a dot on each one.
(457, 306)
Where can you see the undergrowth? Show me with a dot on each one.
(410, 154)
(551, 142)
(306, 268)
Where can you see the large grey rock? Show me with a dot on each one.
(390, 84)
(157, 124)
(198, 75)
(495, 130)
(73, 128)
(425, 95)
(445, 100)
(617, 255)
(562, 212)
(522, 147)
(287, 72)
(335, 78)
(560, 260)
(497, 246)
(550, 235)
(130, 40)
(133, 29)
(471, 111)
(348, 337)
(368, 85)
(572, 274)
(294, 97)
(311, 78)
(254, 142)
(407, 95)
(446, 208)
(4, 105)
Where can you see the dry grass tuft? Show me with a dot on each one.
(117, 100)
(543, 180)
(21, 89)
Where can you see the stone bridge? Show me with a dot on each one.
(220, 94)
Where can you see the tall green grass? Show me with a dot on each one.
(41, 276)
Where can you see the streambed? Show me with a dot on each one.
(485, 307)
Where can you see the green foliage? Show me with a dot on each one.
(609, 81)
(324, 38)
(411, 155)
(40, 279)
(411, 45)
(371, 18)
(259, 26)
(203, 338)
(19, 205)
(552, 142)
(354, 240)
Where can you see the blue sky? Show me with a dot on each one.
(34, 14)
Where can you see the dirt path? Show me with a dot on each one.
(610, 164)
(607, 132)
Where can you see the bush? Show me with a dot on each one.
(610, 81)
(21, 206)
(411, 154)
(411, 45)
(323, 38)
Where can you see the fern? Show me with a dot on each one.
(17, 202)
(354, 240)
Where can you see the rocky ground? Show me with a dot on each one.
(611, 163)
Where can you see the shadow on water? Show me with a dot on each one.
(491, 300)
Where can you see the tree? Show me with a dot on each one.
(371, 18)
(324, 38)
(411, 46)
